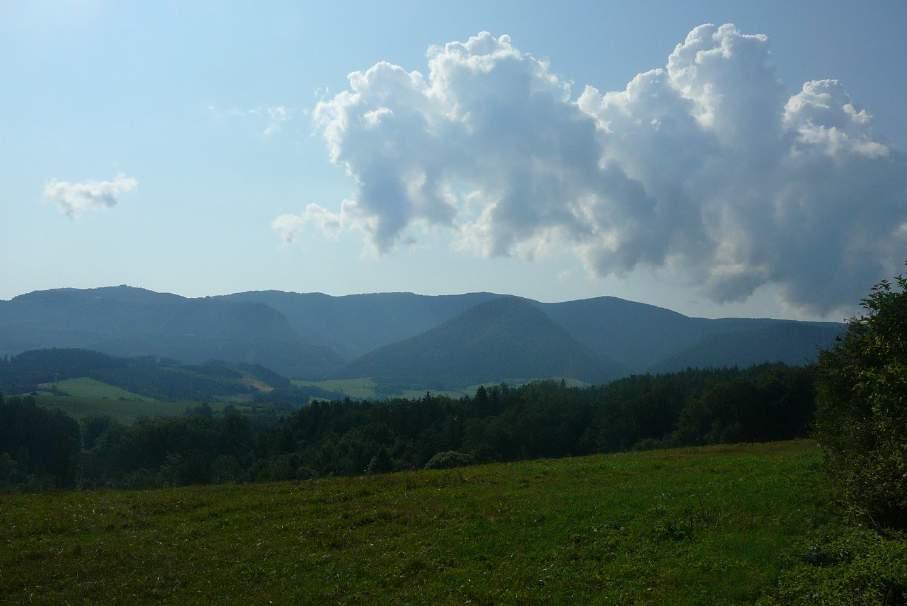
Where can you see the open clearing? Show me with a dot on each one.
(690, 526)
(85, 387)
(86, 397)
(124, 411)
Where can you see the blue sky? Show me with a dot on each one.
(208, 107)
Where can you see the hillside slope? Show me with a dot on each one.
(794, 343)
(354, 325)
(506, 338)
(682, 527)
(317, 336)
(125, 321)
(645, 338)
(635, 334)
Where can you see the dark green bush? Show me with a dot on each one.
(41, 446)
(853, 567)
(862, 408)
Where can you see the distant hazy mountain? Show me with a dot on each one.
(357, 324)
(402, 338)
(130, 321)
(794, 343)
(634, 334)
(647, 338)
(506, 338)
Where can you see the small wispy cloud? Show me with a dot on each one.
(277, 115)
(322, 93)
(289, 225)
(75, 197)
(269, 119)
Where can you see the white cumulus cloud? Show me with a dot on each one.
(704, 167)
(76, 197)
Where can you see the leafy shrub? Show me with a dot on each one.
(862, 408)
(854, 567)
(449, 460)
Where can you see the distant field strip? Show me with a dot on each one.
(86, 387)
(692, 526)
(86, 397)
(358, 389)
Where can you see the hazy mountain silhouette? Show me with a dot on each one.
(750, 343)
(402, 338)
(130, 321)
(357, 324)
(647, 338)
(506, 338)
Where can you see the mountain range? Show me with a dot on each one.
(402, 338)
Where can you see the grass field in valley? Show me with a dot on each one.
(85, 387)
(692, 526)
(86, 397)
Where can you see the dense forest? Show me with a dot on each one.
(41, 449)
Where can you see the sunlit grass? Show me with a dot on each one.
(690, 526)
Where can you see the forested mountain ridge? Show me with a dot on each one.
(126, 321)
(355, 325)
(646, 338)
(505, 338)
(314, 335)
(751, 342)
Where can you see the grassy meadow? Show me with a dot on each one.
(86, 387)
(86, 397)
(712, 525)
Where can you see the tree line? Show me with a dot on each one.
(854, 401)
(42, 449)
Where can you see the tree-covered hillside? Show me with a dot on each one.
(158, 378)
(126, 321)
(381, 336)
(355, 325)
(507, 338)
